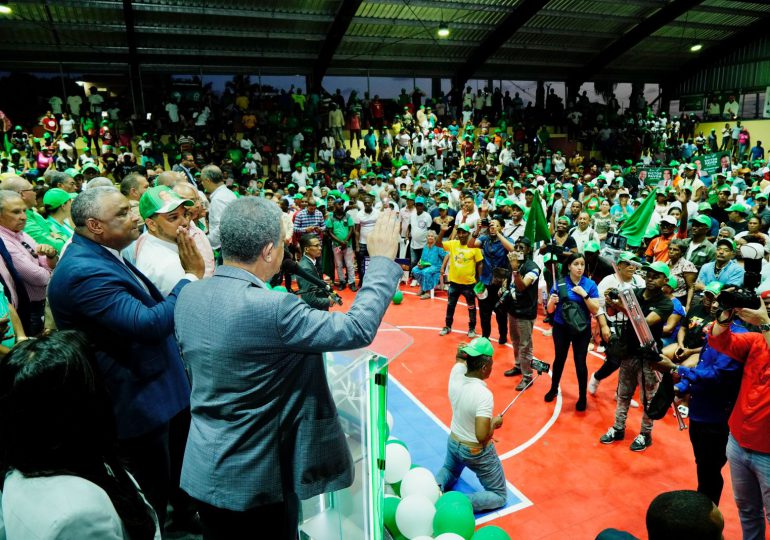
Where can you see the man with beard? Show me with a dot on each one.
(513, 214)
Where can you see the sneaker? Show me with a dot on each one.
(525, 381)
(425, 296)
(591, 346)
(580, 406)
(444, 331)
(341, 287)
(612, 436)
(353, 287)
(593, 385)
(634, 403)
(472, 334)
(502, 341)
(642, 441)
(551, 395)
(513, 372)
(548, 332)
(600, 349)
(414, 283)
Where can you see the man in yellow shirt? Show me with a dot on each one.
(464, 268)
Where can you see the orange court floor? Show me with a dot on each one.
(551, 454)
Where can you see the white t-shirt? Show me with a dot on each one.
(67, 126)
(96, 100)
(284, 162)
(173, 112)
(55, 103)
(75, 102)
(420, 224)
(470, 398)
(366, 221)
(159, 261)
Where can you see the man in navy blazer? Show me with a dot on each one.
(265, 431)
(131, 326)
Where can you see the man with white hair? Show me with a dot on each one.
(213, 183)
(187, 191)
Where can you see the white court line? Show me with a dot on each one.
(524, 502)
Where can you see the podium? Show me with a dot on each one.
(358, 382)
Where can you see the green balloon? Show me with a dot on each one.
(396, 488)
(389, 515)
(398, 297)
(397, 441)
(491, 532)
(454, 497)
(455, 517)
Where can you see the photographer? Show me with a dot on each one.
(690, 338)
(495, 248)
(748, 447)
(521, 304)
(634, 366)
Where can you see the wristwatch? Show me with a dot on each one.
(764, 327)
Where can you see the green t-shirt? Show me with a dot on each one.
(339, 227)
(5, 312)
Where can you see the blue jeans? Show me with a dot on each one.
(750, 472)
(487, 467)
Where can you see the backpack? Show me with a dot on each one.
(575, 317)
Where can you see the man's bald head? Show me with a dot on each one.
(167, 178)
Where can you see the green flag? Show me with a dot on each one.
(537, 226)
(8, 146)
(636, 225)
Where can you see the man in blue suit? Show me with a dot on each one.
(131, 326)
(265, 431)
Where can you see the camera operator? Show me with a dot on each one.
(634, 366)
(495, 248)
(691, 337)
(712, 381)
(521, 304)
(617, 321)
(748, 447)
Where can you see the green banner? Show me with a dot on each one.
(657, 176)
(710, 162)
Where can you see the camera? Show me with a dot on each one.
(613, 294)
(738, 298)
(485, 222)
(540, 366)
(616, 241)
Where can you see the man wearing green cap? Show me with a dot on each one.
(156, 252)
(723, 269)
(656, 309)
(464, 269)
(698, 249)
(473, 424)
(737, 213)
(37, 227)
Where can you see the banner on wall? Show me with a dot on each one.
(711, 162)
(656, 176)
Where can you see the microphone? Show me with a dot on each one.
(291, 267)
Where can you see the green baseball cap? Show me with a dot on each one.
(737, 207)
(672, 282)
(72, 172)
(714, 288)
(761, 196)
(660, 267)
(591, 246)
(565, 219)
(56, 197)
(463, 227)
(160, 200)
(479, 287)
(727, 242)
(704, 220)
(443, 206)
(89, 166)
(479, 347)
(630, 258)
(704, 206)
(298, 196)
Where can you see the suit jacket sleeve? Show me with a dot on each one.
(106, 297)
(308, 330)
(314, 299)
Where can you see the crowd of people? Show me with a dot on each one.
(106, 221)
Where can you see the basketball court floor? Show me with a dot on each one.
(562, 482)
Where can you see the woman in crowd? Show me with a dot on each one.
(62, 478)
(601, 221)
(578, 289)
(683, 270)
(427, 272)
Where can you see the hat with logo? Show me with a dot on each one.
(715, 287)
(478, 347)
(660, 267)
(591, 246)
(419, 200)
(160, 200)
(56, 197)
(704, 206)
(443, 206)
(463, 227)
(737, 207)
(669, 220)
(703, 220)
(726, 242)
(629, 258)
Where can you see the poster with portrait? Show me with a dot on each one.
(656, 176)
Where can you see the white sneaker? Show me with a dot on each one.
(591, 346)
(600, 349)
(414, 283)
(634, 403)
(593, 385)
(548, 332)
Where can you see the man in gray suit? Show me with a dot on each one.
(265, 431)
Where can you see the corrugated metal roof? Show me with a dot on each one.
(384, 34)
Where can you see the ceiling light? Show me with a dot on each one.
(443, 30)
(5, 9)
(696, 47)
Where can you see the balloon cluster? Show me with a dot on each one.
(418, 511)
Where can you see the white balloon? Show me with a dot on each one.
(389, 420)
(397, 462)
(449, 536)
(414, 516)
(420, 481)
(422, 538)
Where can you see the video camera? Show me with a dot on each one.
(540, 366)
(746, 296)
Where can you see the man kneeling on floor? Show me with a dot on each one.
(470, 441)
